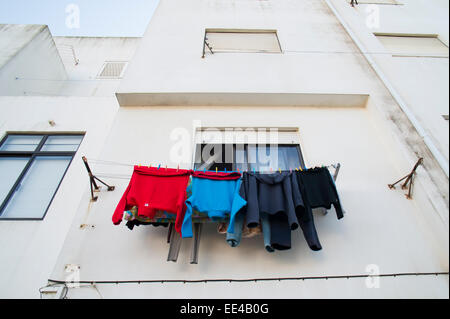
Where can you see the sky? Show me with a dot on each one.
(82, 17)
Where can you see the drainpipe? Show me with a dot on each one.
(420, 130)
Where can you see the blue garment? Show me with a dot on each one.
(265, 224)
(217, 198)
(234, 238)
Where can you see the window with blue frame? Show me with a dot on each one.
(32, 167)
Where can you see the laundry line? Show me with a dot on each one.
(113, 163)
(159, 166)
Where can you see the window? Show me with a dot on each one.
(247, 150)
(241, 40)
(112, 70)
(404, 45)
(31, 168)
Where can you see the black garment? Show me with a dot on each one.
(131, 223)
(277, 195)
(317, 186)
(318, 190)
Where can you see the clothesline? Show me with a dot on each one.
(183, 194)
(113, 163)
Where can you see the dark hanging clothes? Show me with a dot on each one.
(131, 223)
(318, 190)
(276, 195)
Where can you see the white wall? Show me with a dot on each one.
(169, 57)
(35, 68)
(422, 82)
(318, 57)
(375, 144)
(381, 227)
(77, 102)
(28, 249)
(413, 17)
(92, 53)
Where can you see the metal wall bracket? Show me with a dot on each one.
(92, 182)
(408, 179)
(206, 44)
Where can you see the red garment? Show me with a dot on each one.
(152, 189)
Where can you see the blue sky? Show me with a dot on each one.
(96, 17)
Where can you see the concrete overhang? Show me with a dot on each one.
(242, 99)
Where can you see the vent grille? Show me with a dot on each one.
(112, 70)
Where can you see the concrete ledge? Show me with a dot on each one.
(242, 99)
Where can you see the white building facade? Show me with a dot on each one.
(332, 86)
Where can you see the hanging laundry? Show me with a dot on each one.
(246, 232)
(318, 190)
(152, 189)
(234, 237)
(274, 195)
(160, 219)
(265, 227)
(216, 194)
(241, 231)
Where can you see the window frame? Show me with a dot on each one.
(198, 146)
(31, 155)
(240, 31)
(380, 35)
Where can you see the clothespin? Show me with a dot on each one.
(238, 170)
(271, 170)
(279, 169)
(225, 169)
(166, 167)
(159, 166)
(178, 167)
(290, 170)
(216, 169)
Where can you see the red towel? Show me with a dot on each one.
(152, 189)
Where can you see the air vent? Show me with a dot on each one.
(112, 70)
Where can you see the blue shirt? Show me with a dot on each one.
(217, 198)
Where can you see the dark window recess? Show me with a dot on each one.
(231, 157)
(32, 167)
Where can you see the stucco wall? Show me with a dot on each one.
(91, 54)
(422, 82)
(381, 227)
(169, 57)
(36, 68)
(28, 249)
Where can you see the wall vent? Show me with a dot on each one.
(112, 70)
